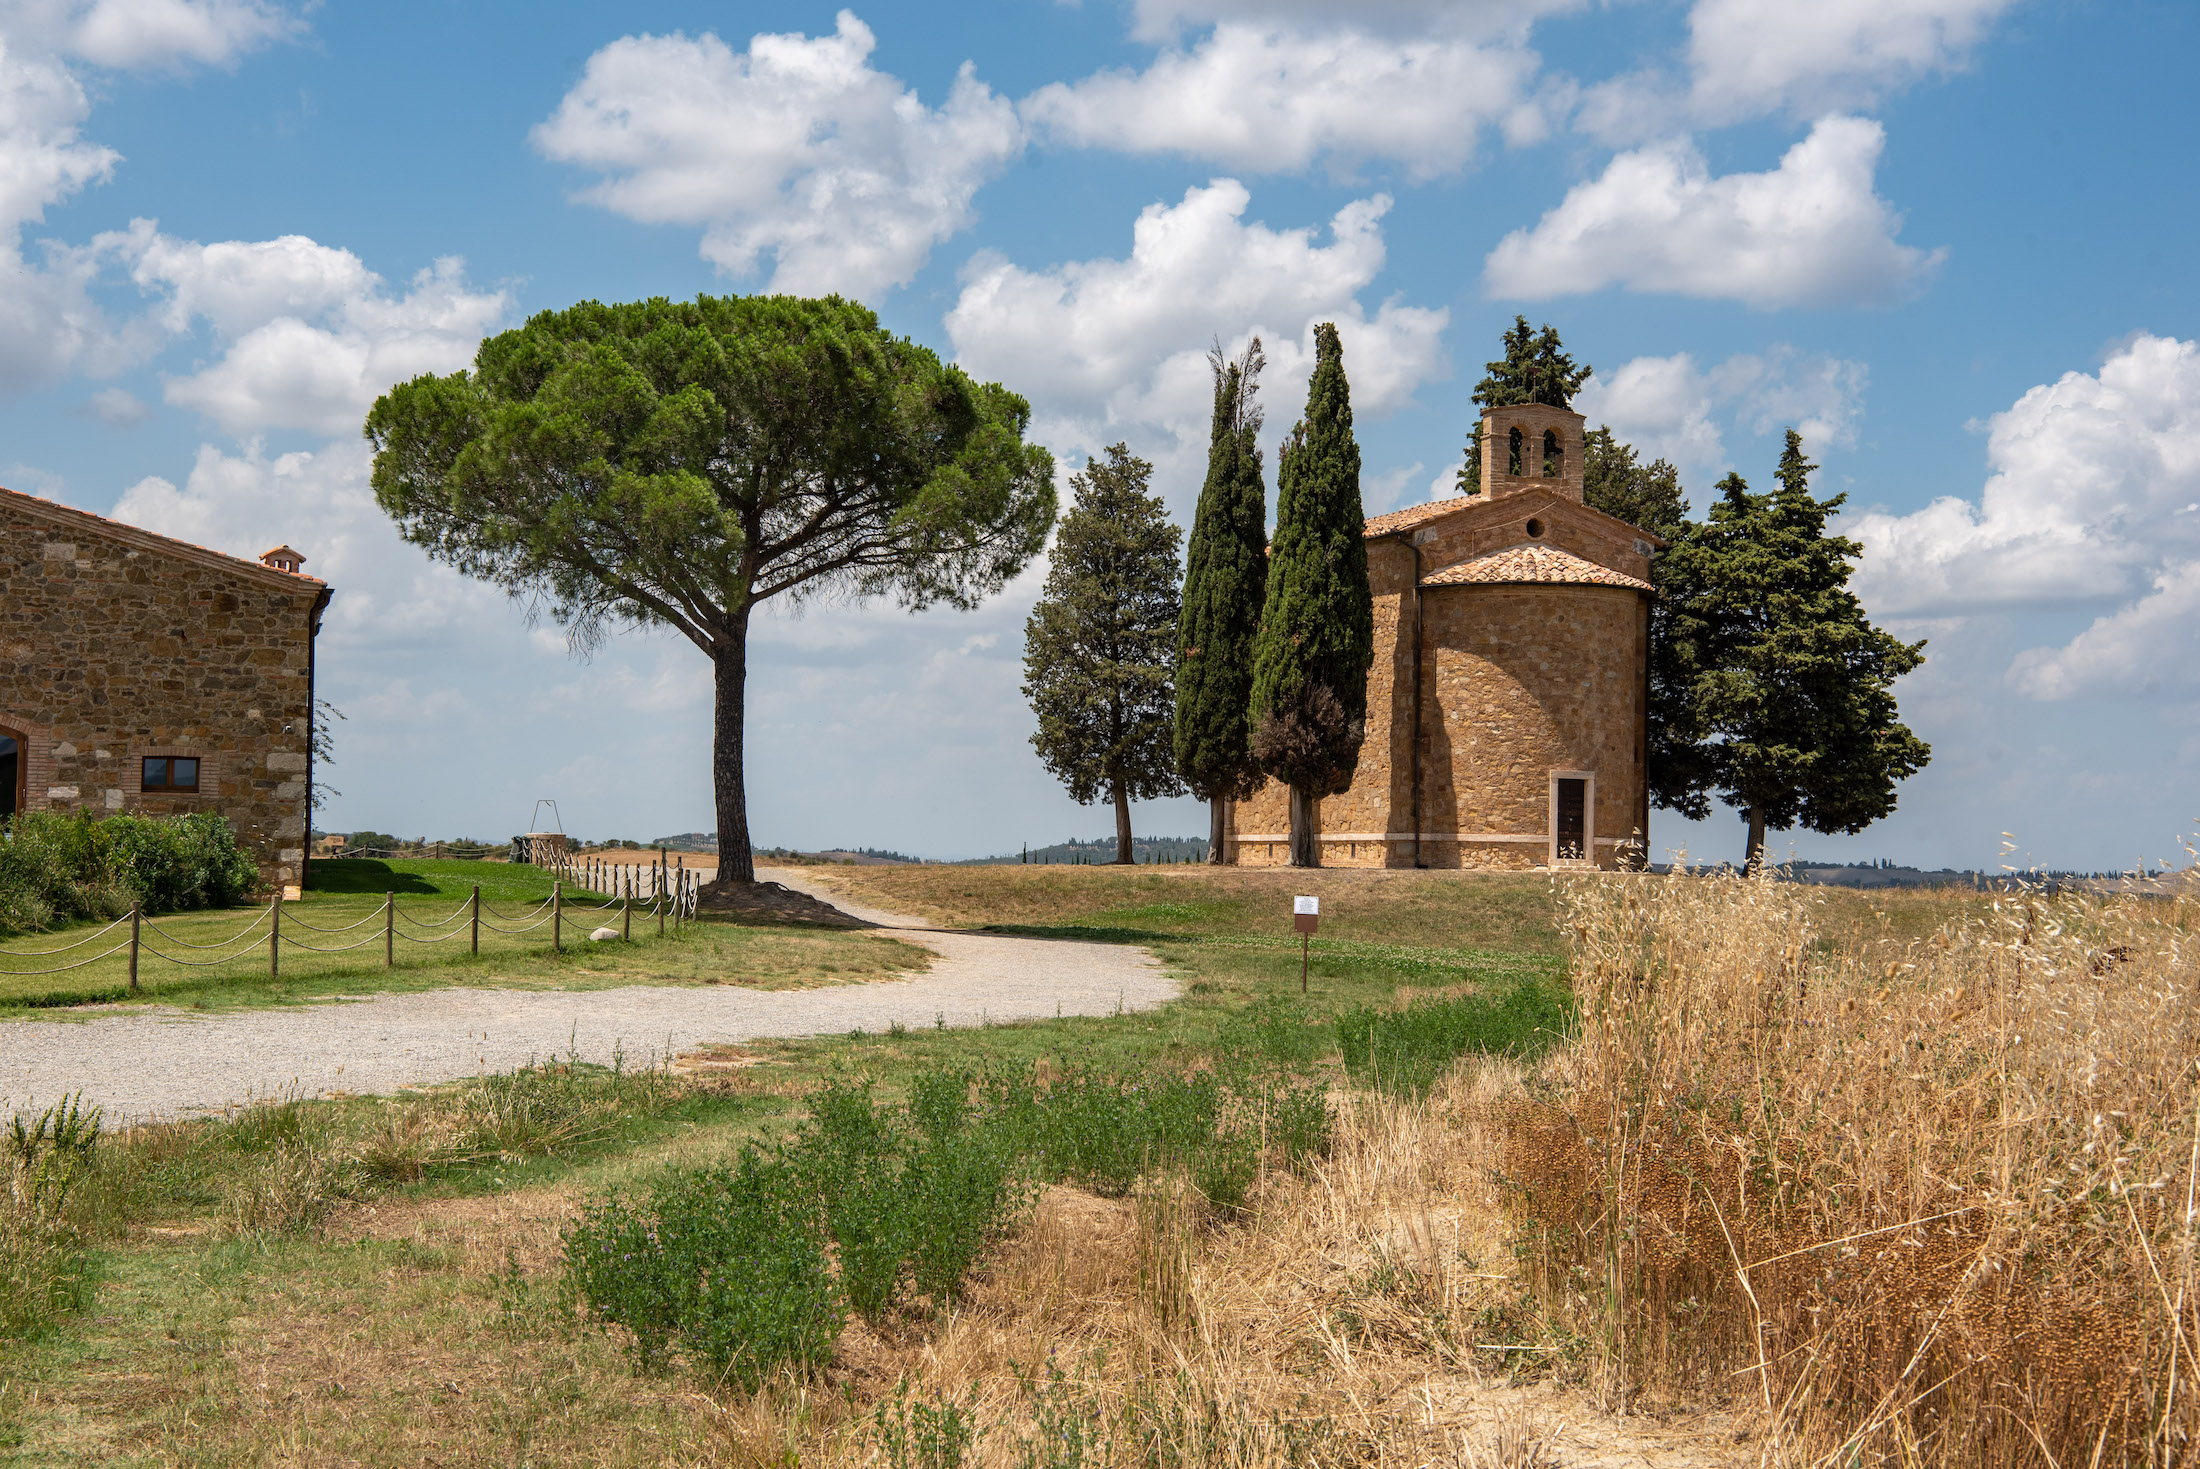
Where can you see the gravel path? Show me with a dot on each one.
(162, 1062)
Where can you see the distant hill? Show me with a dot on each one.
(689, 841)
(1101, 850)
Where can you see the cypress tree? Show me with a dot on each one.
(1099, 645)
(1225, 581)
(1770, 687)
(1317, 626)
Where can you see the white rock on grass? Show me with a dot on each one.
(601, 934)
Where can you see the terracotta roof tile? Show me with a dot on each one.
(1530, 562)
(1413, 515)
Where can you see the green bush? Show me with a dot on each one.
(1403, 1052)
(60, 867)
(725, 1264)
(750, 1269)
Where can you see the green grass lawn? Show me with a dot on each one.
(338, 942)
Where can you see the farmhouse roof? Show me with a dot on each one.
(145, 540)
(1531, 562)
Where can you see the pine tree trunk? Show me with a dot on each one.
(1218, 822)
(1756, 858)
(1306, 841)
(730, 667)
(1123, 853)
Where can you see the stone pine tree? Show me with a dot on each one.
(1534, 369)
(1225, 581)
(680, 463)
(1317, 625)
(1771, 688)
(1100, 646)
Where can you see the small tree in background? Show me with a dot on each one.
(1770, 687)
(1100, 645)
(1534, 369)
(1225, 582)
(1317, 626)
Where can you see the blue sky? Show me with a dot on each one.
(1950, 239)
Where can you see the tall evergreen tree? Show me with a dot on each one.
(1099, 646)
(1225, 581)
(1770, 687)
(1646, 496)
(1534, 369)
(1317, 627)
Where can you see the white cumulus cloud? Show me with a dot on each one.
(1165, 19)
(1261, 97)
(1749, 57)
(148, 35)
(2094, 496)
(1755, 58)
(1108, 344)
(1809, 232)
(795, 149)
(1670, 408)
(309, 336)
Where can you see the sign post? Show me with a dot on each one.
(1306, 917)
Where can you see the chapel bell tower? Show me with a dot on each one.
(1531, 446)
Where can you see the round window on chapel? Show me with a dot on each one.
(1535, 530)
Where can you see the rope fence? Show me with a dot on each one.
(664, 893)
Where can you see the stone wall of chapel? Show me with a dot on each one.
(1531, 680)
(110, 652)
(1517, 682)
(1505, 523)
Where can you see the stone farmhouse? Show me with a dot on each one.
(139, 673)
(1507, 708)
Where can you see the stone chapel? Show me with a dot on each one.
(1507, 707)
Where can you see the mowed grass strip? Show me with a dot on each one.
(334, 945)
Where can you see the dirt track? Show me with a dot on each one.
(160, 1062)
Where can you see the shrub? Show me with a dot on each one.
(55, 866)
(1402, 1052)
(725, 1264)
(45, 1269)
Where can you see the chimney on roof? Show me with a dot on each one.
(282, 558)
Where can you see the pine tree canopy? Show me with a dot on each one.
(1770, 687)
(1099, 647)
(1225, 582)
(1534, 369)
(1317, 628)
(1646, 496)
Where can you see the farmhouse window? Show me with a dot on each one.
(1572, 819)
(170, 773)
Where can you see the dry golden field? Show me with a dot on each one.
(1816, 1179)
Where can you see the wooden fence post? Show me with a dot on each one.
(658, 898)
(679, 884)
(626, 917)
(557, 917)
(275, 936)
(389, 930)
(136, 911)
(476, 940)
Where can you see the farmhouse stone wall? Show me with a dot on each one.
(116, 644)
